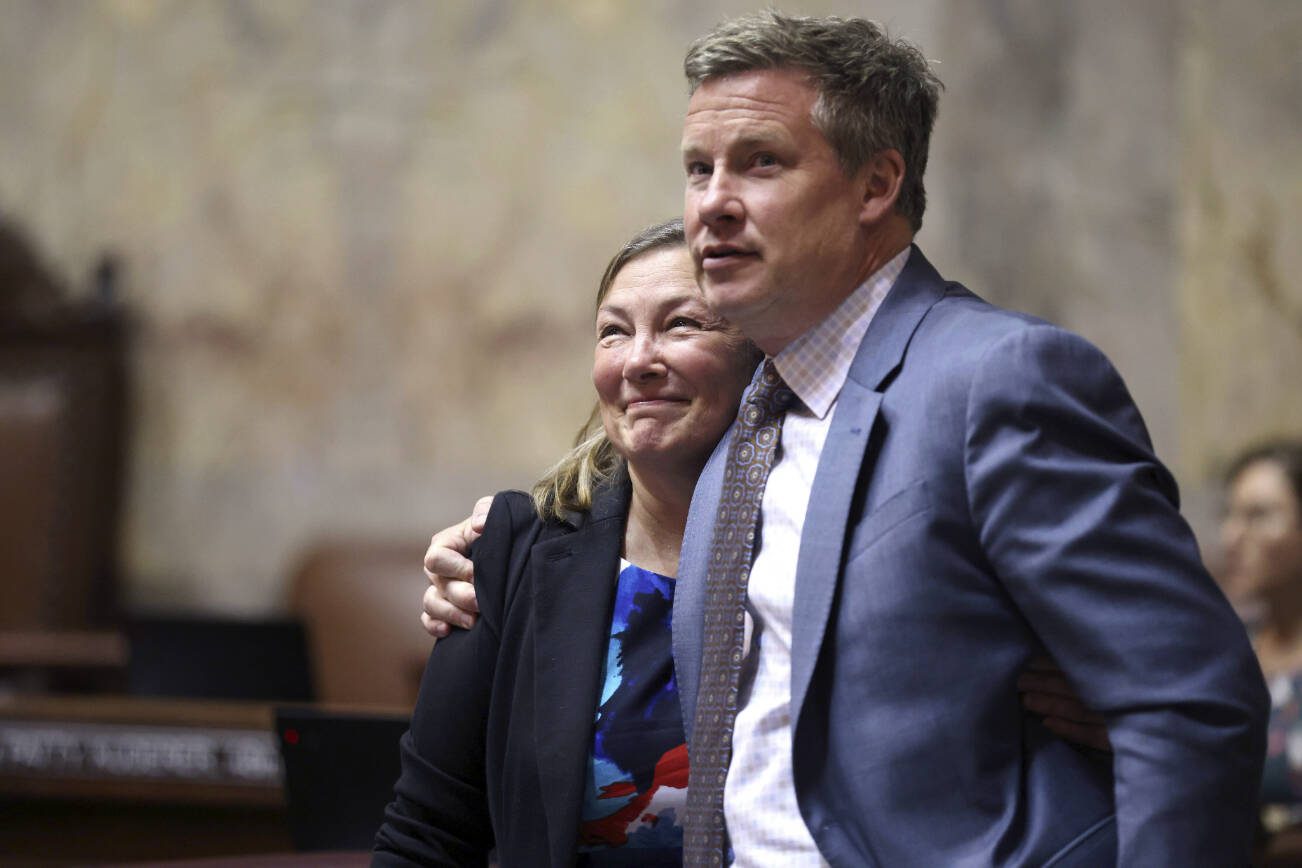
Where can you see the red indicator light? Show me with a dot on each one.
(291, 736)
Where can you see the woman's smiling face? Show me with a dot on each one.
(669, 373)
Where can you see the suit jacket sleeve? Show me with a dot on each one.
(1081, 525)
(440, 814)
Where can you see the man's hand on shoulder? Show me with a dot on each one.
(449, 600)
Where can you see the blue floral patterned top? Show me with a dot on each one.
(637, 771)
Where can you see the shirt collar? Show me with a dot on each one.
(816, 364)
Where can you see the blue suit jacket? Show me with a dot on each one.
(988, 492)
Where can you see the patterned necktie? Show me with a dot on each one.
(750, 456)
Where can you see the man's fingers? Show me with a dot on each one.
(437, 629)
(449, 601)
(446, 555)
(446, 564)
(449, 549)
(479, 515)
(461, 595)
(436, 608)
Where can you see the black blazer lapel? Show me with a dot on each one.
(573, 587)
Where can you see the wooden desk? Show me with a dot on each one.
(336, 859)
(72, 649)
(37, 662)
(117, 778)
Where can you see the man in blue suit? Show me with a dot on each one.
(958, 490)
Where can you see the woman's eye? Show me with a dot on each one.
(608, 331)
(684, 322)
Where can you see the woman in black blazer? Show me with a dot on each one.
(551, 730)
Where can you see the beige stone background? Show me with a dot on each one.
(361, 238)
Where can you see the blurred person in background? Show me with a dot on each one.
(1262, 540)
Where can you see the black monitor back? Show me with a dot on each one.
(340, 769)
(218, 658)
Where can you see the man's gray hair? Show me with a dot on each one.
(874, 92)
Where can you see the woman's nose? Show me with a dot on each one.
(644, 360)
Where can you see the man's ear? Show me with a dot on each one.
(881, 178)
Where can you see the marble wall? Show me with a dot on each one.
(362, 237)
(1239, 222)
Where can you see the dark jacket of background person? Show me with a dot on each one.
(503, 726)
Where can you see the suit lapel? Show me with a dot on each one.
(573, 587)
(918, 287)
(822, 541)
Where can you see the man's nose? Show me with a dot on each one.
(719, 201)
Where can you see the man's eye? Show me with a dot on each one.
(766, 160)
(698, 168)
(684, 322)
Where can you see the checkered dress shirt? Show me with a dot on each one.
(764, 822)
